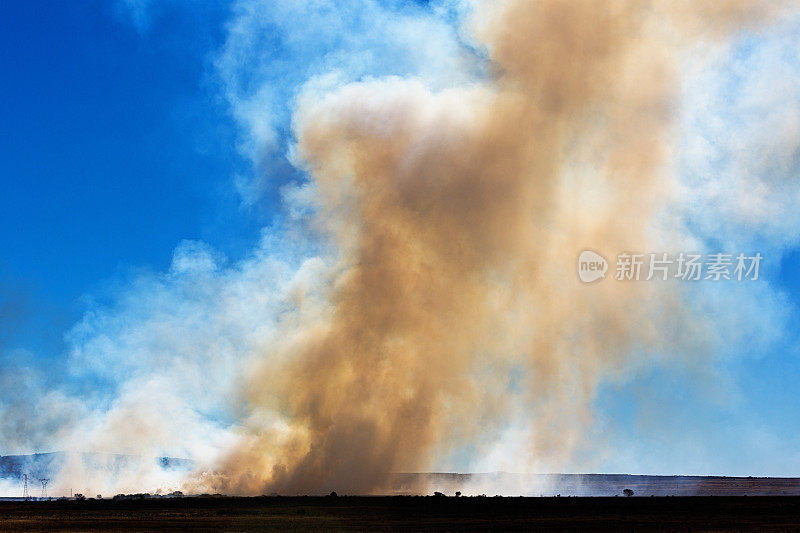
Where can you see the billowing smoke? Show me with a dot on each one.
(457, 215)
(443, 316)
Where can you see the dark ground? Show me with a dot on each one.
(409, 513)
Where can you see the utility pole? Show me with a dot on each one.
(25, 494)
(44, 486)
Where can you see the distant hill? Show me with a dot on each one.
(47, 465)
(510, 484)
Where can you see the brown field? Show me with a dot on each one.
(408, 513)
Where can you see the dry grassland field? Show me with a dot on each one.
(408, 513)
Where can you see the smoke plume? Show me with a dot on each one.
(458, 214)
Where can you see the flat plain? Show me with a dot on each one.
(408, 513)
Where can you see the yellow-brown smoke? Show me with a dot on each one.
(458, 215)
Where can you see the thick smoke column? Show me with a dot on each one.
(458, 215)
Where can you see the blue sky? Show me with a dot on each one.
(116, 147)
(146, 162)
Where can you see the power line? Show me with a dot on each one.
(44, 482)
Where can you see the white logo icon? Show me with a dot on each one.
(591, 266)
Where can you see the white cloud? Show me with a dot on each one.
(741, 151)
(275, 47)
